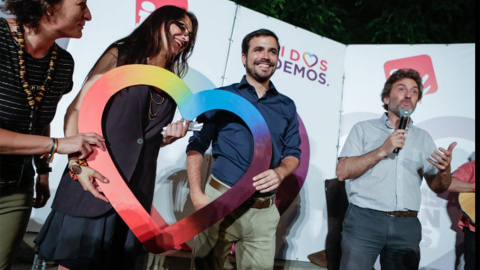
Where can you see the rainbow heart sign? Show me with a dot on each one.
(310, 59)
(152, 230)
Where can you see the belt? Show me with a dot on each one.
(400, 213)
(217, 185)
(252, 202)
(259, 202)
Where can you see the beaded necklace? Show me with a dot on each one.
(34, 99)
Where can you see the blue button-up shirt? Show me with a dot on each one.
(232, 141)
(393, 184)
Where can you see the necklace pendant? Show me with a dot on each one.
(35, 87)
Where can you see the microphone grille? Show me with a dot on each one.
(405, 113)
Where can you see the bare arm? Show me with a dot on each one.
(106, 63)
(88, 175)
(460, 186)
(353, 167)
(13, 143)
(42, 188)
(194, 171)
(271, 179)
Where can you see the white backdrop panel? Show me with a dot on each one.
(310, 72)
(447, 112)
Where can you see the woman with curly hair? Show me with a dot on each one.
(34, 75)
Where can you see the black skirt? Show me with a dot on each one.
(103, 242)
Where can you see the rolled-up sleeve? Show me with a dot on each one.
(200, 140)
(292, 138)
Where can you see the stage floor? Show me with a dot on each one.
(171, 260)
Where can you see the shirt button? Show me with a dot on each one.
(140, 141)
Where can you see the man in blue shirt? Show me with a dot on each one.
(384, 187)
(252, 226)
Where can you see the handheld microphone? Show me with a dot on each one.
(404, 114)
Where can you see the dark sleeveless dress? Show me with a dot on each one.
(83, 232)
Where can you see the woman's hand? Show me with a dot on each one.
(42, 191)
(175, 131)
(88, 178)
(80, 143)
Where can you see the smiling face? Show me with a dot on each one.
(179, 35)
(261, 59)
(68, 18)
(404, 95)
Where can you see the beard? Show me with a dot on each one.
(396, 108)
(260, 76)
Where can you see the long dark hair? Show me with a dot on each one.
(145, 41)
(29, 12)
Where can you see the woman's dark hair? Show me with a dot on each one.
(146, 40)
(29, 12)
(400, 75)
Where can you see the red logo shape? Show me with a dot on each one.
(145, 7)
(421, 63)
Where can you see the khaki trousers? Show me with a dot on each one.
(252, 230)
(15, 209)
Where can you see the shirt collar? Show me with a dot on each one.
(387, 121)
(244, 84)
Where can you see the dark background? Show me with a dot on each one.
(378, 21)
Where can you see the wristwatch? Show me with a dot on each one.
(76, 168)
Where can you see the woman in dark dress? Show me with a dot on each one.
(83, 231)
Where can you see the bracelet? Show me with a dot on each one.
(80, 163)
(52, 151)
(44, 170)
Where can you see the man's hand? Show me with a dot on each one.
(199, 200)
(267, 181)
(393, 141)
(441, 158)
(271, 179)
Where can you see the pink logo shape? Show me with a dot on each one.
(145, 7)
(310, 57)
(421, 63)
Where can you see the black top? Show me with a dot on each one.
(14, 108)
(133, 142)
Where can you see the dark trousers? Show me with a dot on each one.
(469, 244)
(337, 203)
(368, 233)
